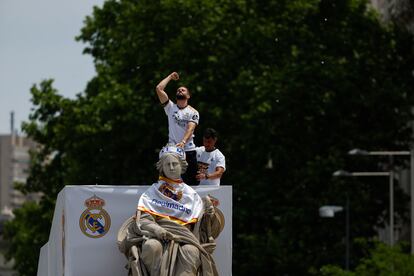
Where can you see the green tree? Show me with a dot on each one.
(25, 242)
(381, 260)
(289, 85)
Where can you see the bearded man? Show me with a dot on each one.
(182, 121)
(174, 230)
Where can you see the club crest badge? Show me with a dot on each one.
(94, 221)
(170, 192)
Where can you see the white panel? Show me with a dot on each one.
(43, 259)
(86, 256)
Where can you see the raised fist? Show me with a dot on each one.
(174, 76)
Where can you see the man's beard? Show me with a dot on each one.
(180, 97)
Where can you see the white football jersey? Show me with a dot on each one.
(208, 162)
(177, 123)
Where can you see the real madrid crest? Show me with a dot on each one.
(169, 191)
(95, 221)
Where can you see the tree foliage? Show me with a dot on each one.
(380, 260)
(290, 85)
(26, 234)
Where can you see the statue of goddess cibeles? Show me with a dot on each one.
(174, 229)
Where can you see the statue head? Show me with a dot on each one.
(172, 162)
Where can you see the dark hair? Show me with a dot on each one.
(210, 133)
(188, 89)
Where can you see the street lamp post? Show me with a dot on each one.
(391, 154)
(342, 173)
(329, 212)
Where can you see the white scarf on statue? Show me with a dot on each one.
(172, 199)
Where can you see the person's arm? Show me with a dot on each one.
(217, 174)
(220, 169)
(162, 95)
(188, 133)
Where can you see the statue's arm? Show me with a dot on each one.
(150, 226)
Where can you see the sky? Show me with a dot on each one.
(37, 42)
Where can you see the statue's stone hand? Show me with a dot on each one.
(210, 247)
(208, 205)
(163, 234)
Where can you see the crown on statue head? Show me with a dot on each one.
(172, 149)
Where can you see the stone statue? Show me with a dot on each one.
(174, 229)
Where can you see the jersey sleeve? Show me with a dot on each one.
(168, 107)
(221, 161)
(195, 117)
(198, 151)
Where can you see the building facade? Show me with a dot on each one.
(14, 168)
